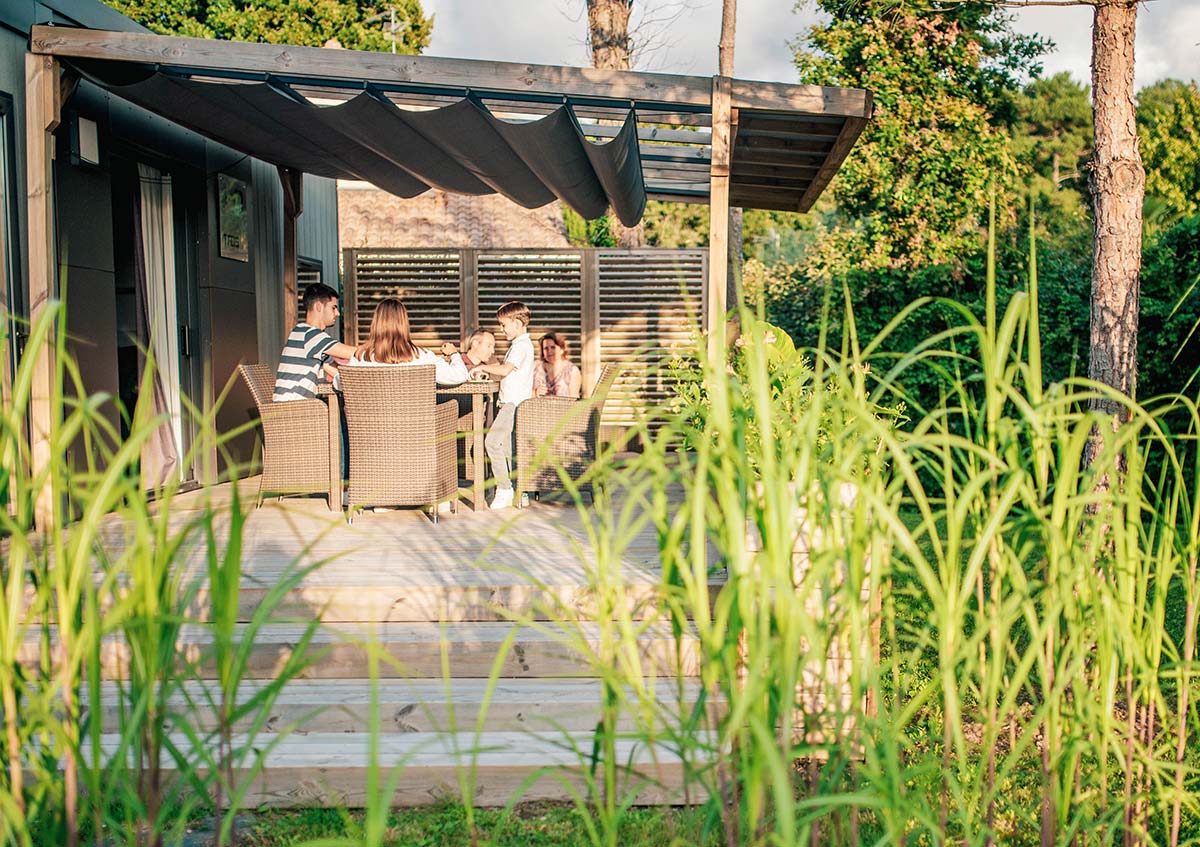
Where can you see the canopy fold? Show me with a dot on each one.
(461, 148)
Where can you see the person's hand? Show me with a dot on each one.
(539, 391)
(448, 349)
(477, 372)
(330, 371)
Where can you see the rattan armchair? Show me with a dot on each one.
(402, 441)
(558, 434)
(295, 457)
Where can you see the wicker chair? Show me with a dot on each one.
(402, 440)
(295, 454)
(559, 434)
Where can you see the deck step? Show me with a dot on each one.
(430, 705)
(416, 649)
(345, 601)
(330, 769)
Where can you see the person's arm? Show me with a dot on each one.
(452, 372)
(502, 370)
(340, 351)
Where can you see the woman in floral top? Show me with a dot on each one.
(556, 375)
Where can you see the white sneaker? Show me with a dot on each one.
(503, 499)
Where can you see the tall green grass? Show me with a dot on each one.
(95, 604)
(1013, 627)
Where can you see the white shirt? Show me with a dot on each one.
(446, 373)
(517, 387)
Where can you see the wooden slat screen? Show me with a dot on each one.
(647, 303)
(549, 283)
(427, 282)
(650, 302)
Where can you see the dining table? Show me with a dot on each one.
(482, 393)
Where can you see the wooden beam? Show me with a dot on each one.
(811, 99)
(841, 149)
(383, 68)
(350, 296)
(42, 109)
(293, 207)
(590, 317)
(718, 217)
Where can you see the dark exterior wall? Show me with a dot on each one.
(87, 276)
(229, 303)
(237, 307)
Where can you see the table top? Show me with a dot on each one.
(474, 386)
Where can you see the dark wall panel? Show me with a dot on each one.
(85, 247)
(234, 328)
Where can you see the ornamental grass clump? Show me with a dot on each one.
(915, 623)
(104, 737)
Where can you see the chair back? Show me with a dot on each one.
(260, 379)
(608, 376)
(390, 419)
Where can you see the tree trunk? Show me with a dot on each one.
(725, 68)
(608, 33)
(608, 38)
(1118, 183)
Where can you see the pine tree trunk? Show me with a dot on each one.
(608, 36)
(1118, 183)
(725, 68)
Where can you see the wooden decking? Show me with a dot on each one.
(436, 597)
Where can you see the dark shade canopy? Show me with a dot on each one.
(408, 122)
(461, 147)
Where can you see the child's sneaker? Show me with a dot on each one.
(503, 499)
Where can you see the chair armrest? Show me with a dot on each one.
(445, 418)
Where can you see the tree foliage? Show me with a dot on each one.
(1169, 130)
(913, 190)
(1052, 142)
(355, 25)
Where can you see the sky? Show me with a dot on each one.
(552, 32)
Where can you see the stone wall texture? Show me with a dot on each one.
(368, 217)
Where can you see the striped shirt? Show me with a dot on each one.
(300, 363)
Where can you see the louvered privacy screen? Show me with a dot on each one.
(642, 304)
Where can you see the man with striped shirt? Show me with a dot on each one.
(309, 352)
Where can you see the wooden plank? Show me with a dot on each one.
(424, 705)
(841, 149)
(810, 99)
(715, 305)
(741, 169)
(415, 650)
(330, 769)
(468, 292)
(590, 318)
(350, 296)
(41, 117)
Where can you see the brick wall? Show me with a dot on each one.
(368, 217)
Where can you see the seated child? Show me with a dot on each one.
(516, 386)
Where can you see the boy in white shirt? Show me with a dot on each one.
(516, 386)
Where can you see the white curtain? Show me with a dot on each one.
(162, 316)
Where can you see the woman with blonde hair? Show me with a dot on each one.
(556, 375)
(389, 342)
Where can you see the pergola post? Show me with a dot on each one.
(715, 304)
(293, 207)
(42, 103)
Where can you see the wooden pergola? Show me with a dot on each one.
(714, 140)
